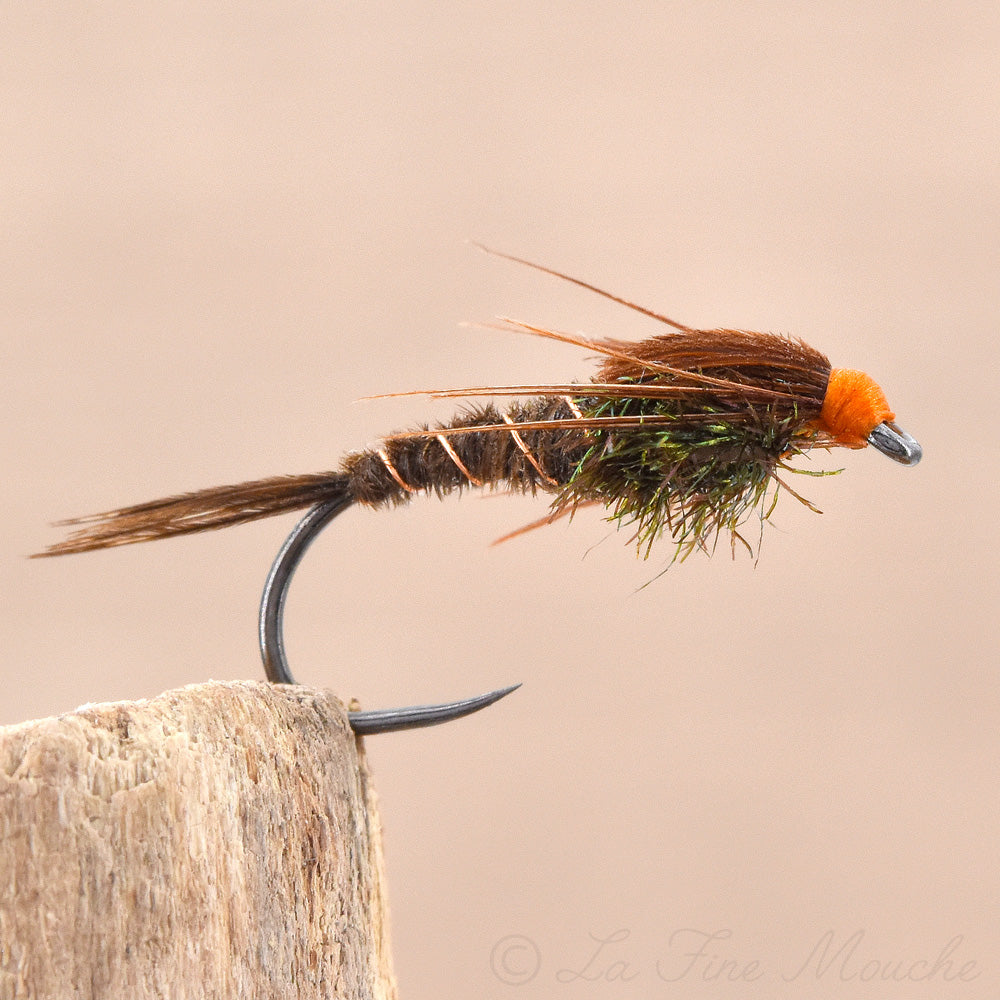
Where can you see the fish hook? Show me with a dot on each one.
(272, 643)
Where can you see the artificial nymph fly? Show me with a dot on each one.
(683, 433)
(687, 433)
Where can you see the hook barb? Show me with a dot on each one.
(272, 641)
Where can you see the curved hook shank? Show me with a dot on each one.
(272, 642)
(272, 601)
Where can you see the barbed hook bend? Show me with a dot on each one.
(272, 643)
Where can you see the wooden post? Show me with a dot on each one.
(222, 840)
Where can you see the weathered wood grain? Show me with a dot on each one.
(221, 840)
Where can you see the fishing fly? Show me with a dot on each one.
(687, 434)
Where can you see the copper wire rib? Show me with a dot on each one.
(460, 465)
(391, 469)
(519, 441)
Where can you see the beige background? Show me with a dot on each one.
(224, 224)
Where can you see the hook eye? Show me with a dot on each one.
(893, 441)
(272, 641)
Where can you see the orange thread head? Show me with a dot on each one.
(854, 405)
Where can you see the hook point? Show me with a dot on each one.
(391, 720)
